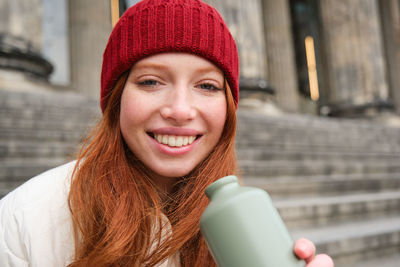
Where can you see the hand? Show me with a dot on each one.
(305, 249)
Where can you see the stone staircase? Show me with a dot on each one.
(336, 182)
(39, 131)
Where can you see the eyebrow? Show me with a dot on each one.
(210, 69)
(159, 66)
(151, 65)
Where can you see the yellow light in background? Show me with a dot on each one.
(114, 12)
(312, 68)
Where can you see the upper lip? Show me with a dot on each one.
(175, 131)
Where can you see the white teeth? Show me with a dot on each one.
(173, 140)
(179, 141)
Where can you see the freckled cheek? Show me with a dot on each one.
(217, 118)
(130, 114)
(221, 123)
(131, 126)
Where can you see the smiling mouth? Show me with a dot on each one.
(174, 140)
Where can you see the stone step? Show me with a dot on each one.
(300, 153)
(290, 186)
(391, 260)
(315, 167)
(47, 112)
(286, 124)
(51, 135)
(328, 135)
(354, 242)
(50, 110)
(22, 149)
(310, 137)
(45, 124)
(38, 100)
(15, 170)
(321, 210)
(388, 146)
(315, 130)
(258, 121)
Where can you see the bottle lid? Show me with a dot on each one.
(215, 186)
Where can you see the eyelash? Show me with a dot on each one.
(210, 86)
(203, 86)
(148, 82)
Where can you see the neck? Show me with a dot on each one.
(165, 186)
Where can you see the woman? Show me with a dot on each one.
(135, 195)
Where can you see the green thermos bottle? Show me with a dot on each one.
(242, 228)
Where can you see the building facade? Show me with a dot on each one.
(334, 180)
(338, 58)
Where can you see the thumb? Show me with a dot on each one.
(321, 260)
(304, 249)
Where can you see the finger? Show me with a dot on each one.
(321, 260)
(304, 249)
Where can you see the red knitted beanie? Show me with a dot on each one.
(156, 26)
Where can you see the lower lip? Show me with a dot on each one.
(174, 151)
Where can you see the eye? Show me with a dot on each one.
(209, 87)
(148, 82)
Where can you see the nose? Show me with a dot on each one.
(179, 106)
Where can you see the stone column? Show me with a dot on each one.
(244, 19)
(22, 18)
(90, 26)
(354, 52)
(23, 67)
(390, 13)
(281, 71)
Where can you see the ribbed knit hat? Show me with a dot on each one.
(156, 26)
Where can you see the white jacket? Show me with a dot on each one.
(35, 222)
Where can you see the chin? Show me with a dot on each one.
(174, 172)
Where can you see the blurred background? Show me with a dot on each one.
(319, 115)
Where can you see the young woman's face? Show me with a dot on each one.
(173, 110)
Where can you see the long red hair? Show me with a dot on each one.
(116, 210)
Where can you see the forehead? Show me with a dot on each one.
(177, 59)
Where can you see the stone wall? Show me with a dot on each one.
(354, 51)
(22, 18)
(90, 26)
(281, 71)
(390, 14)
